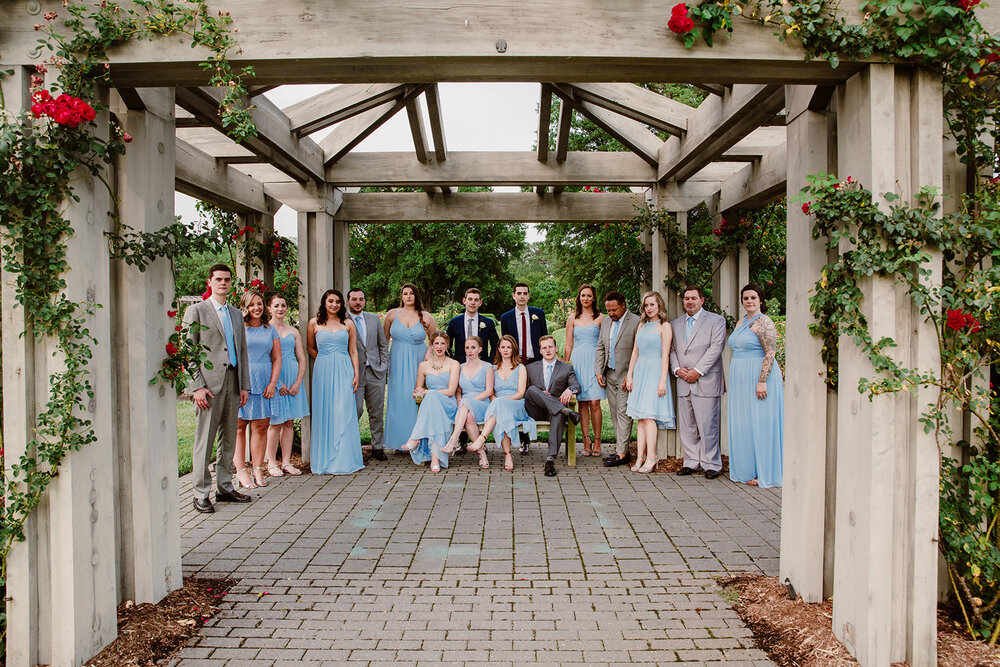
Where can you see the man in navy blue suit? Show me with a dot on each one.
(526, 325)
(471, 323)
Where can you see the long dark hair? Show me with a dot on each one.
(418, 303)
(341, 312)
(753, 287)
(515, 357)
(593, 304)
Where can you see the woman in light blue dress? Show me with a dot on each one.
(407, 328)
(475, 383)
(437, 382)
(506, 412)
(290, 402)
(264, 352)
(756, 396)
(582, 331)
(336, 438)
(649, 400)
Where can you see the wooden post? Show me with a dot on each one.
(341, 255)
(726, 294)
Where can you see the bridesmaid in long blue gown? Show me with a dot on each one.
(336, 438)
(475, 382)
(582, 331)
(264, 353)
(649, 400)
(756, 396)
(506, 412)
(407, 328)
(437, 382)
(290, 401)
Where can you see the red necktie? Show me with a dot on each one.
(524, 336)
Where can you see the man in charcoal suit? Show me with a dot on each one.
(551, 385)
(471, 323)
(614, 350)
(527, 326)
(373, 356)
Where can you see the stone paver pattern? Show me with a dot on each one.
(397, 565)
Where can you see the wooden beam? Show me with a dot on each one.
(637, 103)
(756, 184)
(301, 159)
(631, 133)
(217, 145)
(304, 196)
(499, 168)
(712, 88)
(544, 121)
(201, 176)
(717, 125)
(437, 122)
(417, 129)
(755, 145)
(353, 131)
(464, 207)
(339, 103)
(562, 130)
(260, 90)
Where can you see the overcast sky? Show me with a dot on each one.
(477, 117)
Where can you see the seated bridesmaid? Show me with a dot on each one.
(437, 382)
(475, 382)
(507, 412)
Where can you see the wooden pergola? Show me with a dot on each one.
(859, 504)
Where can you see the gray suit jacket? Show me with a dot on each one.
(215, 340)
(703, 351)
(374, 349)
(623, 343)
(563, 377)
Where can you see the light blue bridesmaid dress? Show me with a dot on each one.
(435, 420)
(259, 343)
(756, 427)
(283, 407)
(643, 403)
(583, 359)
(472, 387)
(509, 412)
(407, 351)
(336, 439)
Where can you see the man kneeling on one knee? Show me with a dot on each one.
(551, 385)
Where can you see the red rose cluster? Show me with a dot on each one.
(681, 23)
(967, 5)
(258, 284)
(957, 320)
(65, 109)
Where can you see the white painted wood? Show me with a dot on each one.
(417, 129)
(354, 130)
(637, 103)
(563, 128)
(631, 133)
(432, 97)
(337, 104)
(757, 183)
(755, 145)
(199, 175)
(544, 121)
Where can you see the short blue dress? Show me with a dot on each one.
(584, 358)
(756, 427)
(472, 387)
(435, 420)
(643, 403)
(286, 408)
(259, 343)
(336, 438)
(407, 351)
(509, 412)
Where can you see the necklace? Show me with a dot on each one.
(437, 365)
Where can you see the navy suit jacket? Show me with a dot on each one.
(536, 325)
(487, 331)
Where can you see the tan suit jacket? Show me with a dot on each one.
(214, 338)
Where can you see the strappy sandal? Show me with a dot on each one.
(290, 469)
(508, 462)
(271, 470)
(753, 482)
(586, 448)
(408, 447)
(450, 445)
(595, 448)
(260, 481)
(248, 484)
(435, 467)
(484, 462)
(477, 444)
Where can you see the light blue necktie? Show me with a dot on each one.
(611, 344)
(548, 375)
(227, 327)
(359, 324)
(690, 326)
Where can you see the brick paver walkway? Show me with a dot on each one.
(395, 564)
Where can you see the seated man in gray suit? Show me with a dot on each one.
(220, 388)
(614, 350)
(373, 356)
(551, 384)
(696, 360)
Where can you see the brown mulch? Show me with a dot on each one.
(148, 633)
(671, 465)
(794, 633)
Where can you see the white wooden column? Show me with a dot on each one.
(725, 291)
(341, 256)
(149, 516)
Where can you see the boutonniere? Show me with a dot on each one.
(482, 325)
(534, 317)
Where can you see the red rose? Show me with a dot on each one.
(177, 328)
(680, 9)
(127, 138)
(171, 349)
(956, 320)
(805, 208)
(717, 232)
(966, 5)
(680, 24)
(972, 323)
(171, 313)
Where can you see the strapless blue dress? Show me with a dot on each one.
(435, 420)
(509, 412)
(336, 439)
(584, 358)
(407, 351)
(286, 408)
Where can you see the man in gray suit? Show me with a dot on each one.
(373, 352)
(551, 384)
(696, 360)
(614, 350)
(221, 388)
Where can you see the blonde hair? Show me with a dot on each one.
(245, 302)
(660, 306)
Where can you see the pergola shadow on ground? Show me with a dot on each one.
(397, 565)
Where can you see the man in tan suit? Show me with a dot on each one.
(221, 387)
(614, 349)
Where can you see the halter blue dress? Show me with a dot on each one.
(643, 403)
(336, 439)
(584, 358)
(756, 427)
(407, 351)
(259, 343)
(286, 408)
(474, 387)
(435, 420)
(509, 412)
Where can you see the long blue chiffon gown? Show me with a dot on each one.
(336, 439)
(583, 359)
(756, 427)
(407, 351)
(435, 420)
(509, 412)
(643, 403)
(283, 407)
(472, 387)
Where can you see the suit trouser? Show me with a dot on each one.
(543, 406)
(699, 431)
(219, 420)
(618, 401)
(371, 392)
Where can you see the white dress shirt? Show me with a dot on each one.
(529, 351)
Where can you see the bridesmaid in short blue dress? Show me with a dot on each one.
(583, 328)
(647, 375)
(756, 398)
(408, 349)
(286, 406)
(336, 438)
(506, 412)
(475, 379)
(264, 353)
(437, 380)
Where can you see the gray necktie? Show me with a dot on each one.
(469, 333)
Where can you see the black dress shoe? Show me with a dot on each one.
(686, 471)
(572, 415)
(463, 447)
(203, 505)
(616, 460)
(379, 454)
(232, 497)
(524, 448)
(711, 474)
(550, 469)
